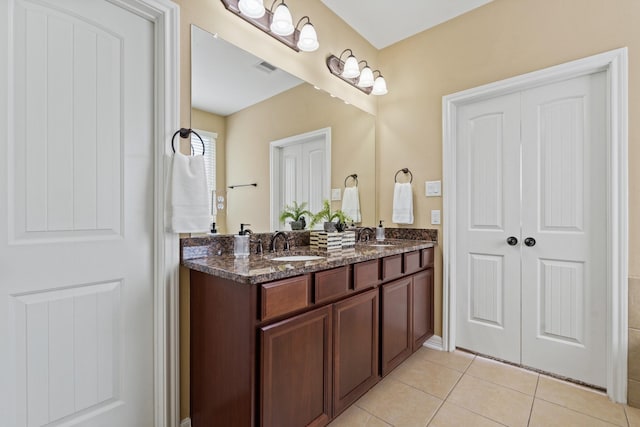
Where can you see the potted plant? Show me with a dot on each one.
(296, 213)
(326, 215)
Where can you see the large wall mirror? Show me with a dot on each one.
(247, 106)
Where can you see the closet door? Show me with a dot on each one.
(488, 215)
(564, 217)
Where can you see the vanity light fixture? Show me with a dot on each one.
(349, 71)
(277, 22)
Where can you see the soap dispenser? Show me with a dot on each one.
(241, 243)
(380, 232)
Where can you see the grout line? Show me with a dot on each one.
(534, 400)
(476, 413)
(613, 423)
(626, 415)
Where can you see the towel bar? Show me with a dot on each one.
(405, 171)
(184, 133)
(354, 176)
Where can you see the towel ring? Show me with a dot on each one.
(406, 171)
(184, 133)
(355, 178)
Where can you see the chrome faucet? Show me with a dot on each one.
(366, 233)
(272, 245)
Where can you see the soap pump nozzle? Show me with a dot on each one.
(244, 231)
(380, 231)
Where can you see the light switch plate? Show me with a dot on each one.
(435, 217)
(433, 188)
(335, 194)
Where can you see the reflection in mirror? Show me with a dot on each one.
(250, 104)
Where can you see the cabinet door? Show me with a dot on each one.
(422, 307)
(295, 384)
(396, 323)
(355, 335)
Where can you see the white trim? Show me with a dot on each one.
(186, 422)
(435, 343)
(615, 63)
(165, 16)
(274, 167)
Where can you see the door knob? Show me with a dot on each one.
(530, 241)
(512, 241)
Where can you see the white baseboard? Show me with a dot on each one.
(435, 342)
(186, 422)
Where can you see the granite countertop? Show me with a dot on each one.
(261, 268)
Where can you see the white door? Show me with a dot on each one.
(304, 172)
(532, 167)
(76, 214)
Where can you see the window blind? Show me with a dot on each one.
(209, 139)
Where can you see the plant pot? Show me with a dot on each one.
(298, 225)
(330, 227)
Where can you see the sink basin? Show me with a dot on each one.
(298, 258)
(380, 245)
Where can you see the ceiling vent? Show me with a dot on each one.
(264, 66)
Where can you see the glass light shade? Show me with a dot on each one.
(308, 39)
(252, 8)
(379, 86)
(281, 22)
(366, 77)
(351, 69)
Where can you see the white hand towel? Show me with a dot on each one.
(402, 203)
(351, 203)
(189, 195)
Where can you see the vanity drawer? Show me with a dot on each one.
(284, 296)
(391, 267)
(427, 257)
(411, 262)
(366, 274)
(331, 284)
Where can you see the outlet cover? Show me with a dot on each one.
(433, 188)
(336, 194)
(435, 217)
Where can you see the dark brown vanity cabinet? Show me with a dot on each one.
(355, 348)
(296, 364)
(298, 351)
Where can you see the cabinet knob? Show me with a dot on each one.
(530, 241)
(512, 241)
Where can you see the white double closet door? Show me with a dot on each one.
(531, 238)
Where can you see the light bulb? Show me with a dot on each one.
(366, 77)
(281, 22)
(351, 69)
(252, 8)
(308, 39)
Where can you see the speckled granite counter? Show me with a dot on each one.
(261, 268)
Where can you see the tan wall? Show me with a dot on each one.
(502, 39)
(296, 111)
(217, 124)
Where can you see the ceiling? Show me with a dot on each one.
(385, 22)
(226, 79)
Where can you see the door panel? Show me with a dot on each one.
(76, 245)
(564, 210)
(488, 209)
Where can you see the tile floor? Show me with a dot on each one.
(435, 388)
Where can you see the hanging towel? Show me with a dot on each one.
(402, 203)
(189, 196)
(351, 203)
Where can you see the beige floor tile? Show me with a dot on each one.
(399, 404)
(458, 360)
(633, 416)
(427, 376)
(450, 415)
(546, 414)
(490, 400)
(580, 399)
(502, 374)
(357, 417)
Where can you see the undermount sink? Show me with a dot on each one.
(379, 244)
(298, 258)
